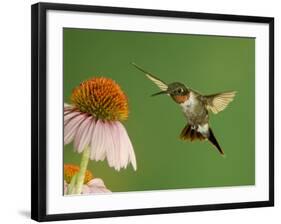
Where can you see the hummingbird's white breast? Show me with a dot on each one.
(189, 105)
(195, 112)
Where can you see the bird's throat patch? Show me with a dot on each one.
(181, 99)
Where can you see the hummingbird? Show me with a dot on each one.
(195, 106)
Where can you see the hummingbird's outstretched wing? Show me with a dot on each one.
(218, 102)
(162, 85)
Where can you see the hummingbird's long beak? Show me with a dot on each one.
(160, 93)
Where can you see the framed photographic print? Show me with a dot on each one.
(139, 111)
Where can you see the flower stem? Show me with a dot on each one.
(71, 186)
(82, 171)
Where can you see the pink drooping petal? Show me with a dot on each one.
(67, 109)
(96, 182)
(71, 128)
(65, 112)
(83, 134)
(67, 117)
(118, 150)
(105, 190)
(67, 106)
(110, 140)
(86, 189)
(119, 154)
(127, 147)
(111, 152)
(96, 190)
(97, 185)
(98, 142)
(123, 148)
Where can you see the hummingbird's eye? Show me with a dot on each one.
(180, 90)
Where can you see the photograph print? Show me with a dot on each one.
(148, 111)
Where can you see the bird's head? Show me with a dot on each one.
(176, 90)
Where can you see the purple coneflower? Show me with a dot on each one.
(93, 123)
(91, 185)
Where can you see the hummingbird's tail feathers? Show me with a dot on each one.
(190, 134)
(214, 141)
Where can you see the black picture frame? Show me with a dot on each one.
(39, 122)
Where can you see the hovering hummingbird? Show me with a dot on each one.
(195, 107)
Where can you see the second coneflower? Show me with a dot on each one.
(93, 123)
(91, 185)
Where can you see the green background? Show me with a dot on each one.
(209, 64)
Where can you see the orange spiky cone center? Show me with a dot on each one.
(70, 170)
(101, 97)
